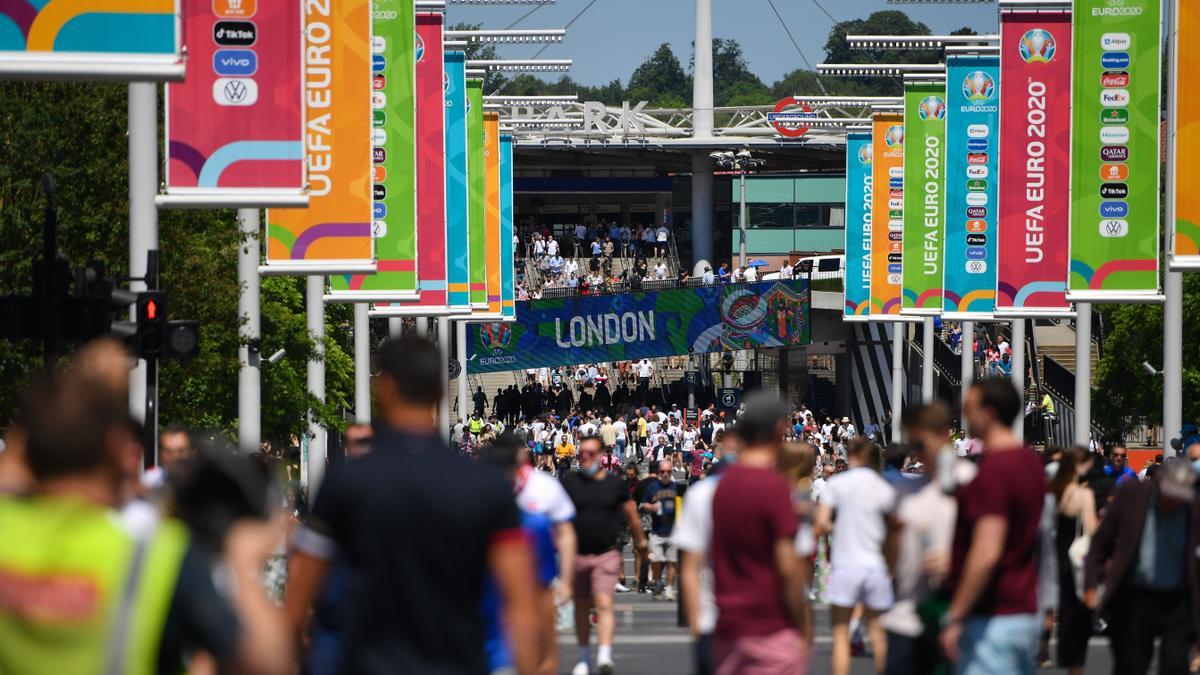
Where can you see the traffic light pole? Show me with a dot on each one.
(250, 322)
(143, 237)
(315, 311)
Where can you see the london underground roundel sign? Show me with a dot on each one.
(790, 116)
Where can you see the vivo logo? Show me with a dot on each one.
(1114, 135)
(378, 210)
(894, 269)
(1114, 209)
(978, 131)
(976, 253)
(235, 62)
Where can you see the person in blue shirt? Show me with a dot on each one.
(723, 273)
(1118, 465)
(659, 501)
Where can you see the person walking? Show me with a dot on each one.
(992, 625)
(863, 504)
(1142, 554)
(602, 507)
(1075, 521)
(659, 501)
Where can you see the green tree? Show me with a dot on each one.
(659, 79)
(890, 22)
(732, 75)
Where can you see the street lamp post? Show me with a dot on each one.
(741, 161)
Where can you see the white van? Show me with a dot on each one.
(821, 264)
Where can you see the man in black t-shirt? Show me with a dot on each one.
(418, 557)
(602, 508)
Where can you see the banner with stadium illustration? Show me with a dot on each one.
(972, 147)
(476, 187)
(235, 127)
(508, 269)
(394, 156)
(458, 271)
(1115, 158)
(858, 227)
(332, 235)
(887, 208)
(107, 39)
(924, 197)
(1035, 169)
(1185, 220)
(430, 176)
(590, 329)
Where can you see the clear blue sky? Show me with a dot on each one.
(614, 36)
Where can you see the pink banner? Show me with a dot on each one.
(235, 126)
(1035, 123)
(431, 163)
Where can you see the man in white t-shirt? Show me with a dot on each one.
(751, 274)
(622, 439)
(785, 271)
(644, 370)
(552, 247)
(675, 414)
(660, 270)
(863, 504)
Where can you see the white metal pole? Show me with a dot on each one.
(702, 72)
(1172, 360)
(249, 319)
(461, 338)
(742, 220)
(422, 326)
(315, 311)
(1018, 373)
(702, 209)
(143, 218)
(443, 340)
(967, 375)
(899, 333)
(1083, 373)
(927, 360)
(395, 327)
(362, 363)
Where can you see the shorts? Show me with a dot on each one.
(779, 653)
(596, 574)
(851, 584)
(662, 549)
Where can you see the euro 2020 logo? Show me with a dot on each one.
(932, 107)
(864, 154)
(495, 337)
(894, 136)
(420, 47)
(1037, 46)
(979, 87)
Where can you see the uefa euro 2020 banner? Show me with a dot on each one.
(972, 145)
(457, 233)
(508, 270)
(1185, 244)
(475, 198)
(887, 215)
(332, 235)
(1115, 157)
(858, 226)
(1035, 167)
(138, 40)
(924, 197)
(590, 329)
(235, 126)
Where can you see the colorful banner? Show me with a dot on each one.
(394, 160)
(1185, 220)
(924, 202)
(1115, 156)
(858, 226)
(430, 176)
(491, 208)
(1035, 169)
(476, 195)
(591, 329)
(457, 233)
(972, 157)
(508, 269)
(333, 235)
(887, 206)
(135, 40)
(235, 126)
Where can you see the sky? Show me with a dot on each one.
(613, 37)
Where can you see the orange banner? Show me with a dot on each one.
(491, 161)
(887, 214)
(1185, 245)
(334, 233)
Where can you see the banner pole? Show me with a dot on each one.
(1083, 373)
(443, 339)
(362, 363)
(899, 329)
(143, 230)
(1018, 373)
(967, 374)
(250, 321)
(315, 312)
(1172, 281)
(461, 327)
(927, 361)
(395, 327)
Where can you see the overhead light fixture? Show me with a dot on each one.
(915, 42)
(521, 65)
(849, 101)
(509, 36)
(502, 2)
(877, 69)
(940, 2)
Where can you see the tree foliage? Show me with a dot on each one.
(660, 80)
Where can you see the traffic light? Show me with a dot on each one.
(151, 335)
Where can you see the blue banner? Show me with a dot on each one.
(508, 271)
(457, 248)
(601, 328)
(858, 226)
(972, 161)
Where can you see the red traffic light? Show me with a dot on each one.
(151, 310)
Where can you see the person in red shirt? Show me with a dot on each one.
(758, 583)
(991, 625)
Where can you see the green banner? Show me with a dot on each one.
(394, 156)
(1115, 150)
(924, 197)
(475, 193)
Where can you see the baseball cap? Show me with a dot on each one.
(1177, 480)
